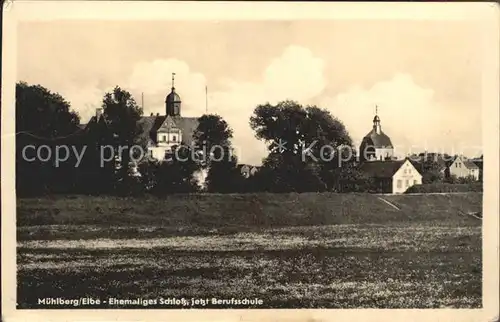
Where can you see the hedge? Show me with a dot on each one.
(446, 187)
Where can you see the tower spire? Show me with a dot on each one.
(376, 121)
(173, 81)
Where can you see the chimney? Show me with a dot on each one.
(98, 113)
(151, 114)
(157, 114)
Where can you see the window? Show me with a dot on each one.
(414, 182)
(399, 184)
(407, 183)
(174, 138)
(456, 165)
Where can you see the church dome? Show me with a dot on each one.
(173, 97)
(378, 140)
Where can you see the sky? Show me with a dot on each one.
(424, 75)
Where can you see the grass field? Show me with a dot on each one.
(290, 250)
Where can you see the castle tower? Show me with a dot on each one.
(173, 101)
(376, 145)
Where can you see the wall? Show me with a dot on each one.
(158, 153)
(171, 138)
(406, 176)
(459, 170)
(383, 153)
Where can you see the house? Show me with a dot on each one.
(479, 163)
(159, 133)
(461, 167)
(391, 176)
(247, 170)
(376, 145)
(430, 160)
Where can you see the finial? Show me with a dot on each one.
(376, 109)
(173, 80)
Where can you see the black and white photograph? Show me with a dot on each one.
(250, 163)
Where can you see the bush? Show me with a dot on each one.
(446, 187)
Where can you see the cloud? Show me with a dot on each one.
(84, 99)
(409, 114)
(154, 79)
(296, 74)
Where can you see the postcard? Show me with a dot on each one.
(250, 161)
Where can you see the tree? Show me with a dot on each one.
(175, 175)
(44, 118)
(122, 114)
(305, 145)
(223, 175)
(213, 141)
(42, 113)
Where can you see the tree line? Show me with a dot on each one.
(295, 136)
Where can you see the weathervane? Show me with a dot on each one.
(173, 79)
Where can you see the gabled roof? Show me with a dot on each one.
(381, 169)
(150, 125)
(167, 124)
(93, 121)
(469, 164)
(478, 162)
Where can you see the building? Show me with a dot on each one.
(461, 167)
(247, 170)
(377, 162)
(376, 145)
(391, 176)
(437, 162)
(479, 162)
(161, 133)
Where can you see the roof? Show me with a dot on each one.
(151, 124)
(247, 169)
(377, 140)
(381, 169)
(478, 163)
(441, 160)
(173, 97)
(469, 164)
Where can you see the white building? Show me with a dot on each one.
(461, 167)
(376, 145)
(393, 176)
(163, 132)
